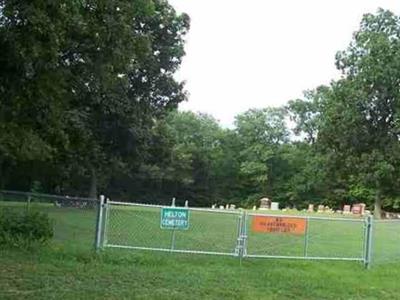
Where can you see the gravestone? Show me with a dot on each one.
(265, 203)
(310, 208)
(232, 206)
(320, 208)
(221, 207)
(346, 209)
(254, 207)
(213, 206)
(358, 209)
(227, 206)
(274, 205)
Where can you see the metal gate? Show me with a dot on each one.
(319, 238)
(235, 233)
(138, 226)
(386, 241)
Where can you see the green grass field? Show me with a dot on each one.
(69, 269)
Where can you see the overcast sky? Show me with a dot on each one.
(258, 53)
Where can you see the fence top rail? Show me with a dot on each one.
(134, 204)
(387, 221)
(166, 206)
(307, 217)
(5, 192)
(223, 211)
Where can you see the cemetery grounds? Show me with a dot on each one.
(68, 268)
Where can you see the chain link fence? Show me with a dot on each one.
(138, 226)
(74, 218)
(238, 233)
(307, 238)
(386, 241)
(81, 223)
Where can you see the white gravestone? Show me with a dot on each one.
(274, 205)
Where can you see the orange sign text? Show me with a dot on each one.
(268, 224)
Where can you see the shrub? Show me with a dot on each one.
(24, 228)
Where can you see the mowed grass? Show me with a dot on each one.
(68, 269)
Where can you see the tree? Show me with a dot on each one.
(83, 82)
(306, 113)
(360, 127)
(32, 82)
(261, 132)
(198, 139)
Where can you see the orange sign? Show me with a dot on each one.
(268, 224)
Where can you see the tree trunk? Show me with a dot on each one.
(378, 204)
(93, 184)
(2, 174)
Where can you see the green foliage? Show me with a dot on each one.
(88, 101)
(360, 111)
(24, 228)
(306, 113)
(36, 187)
(186, 159)
(361, 193)
(81, 84)
(261, 133)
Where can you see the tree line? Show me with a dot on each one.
(89, 105)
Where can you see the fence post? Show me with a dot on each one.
(239, 235)
(306, 237)
(244, 234)
(99, 223)
(28, 201)
(368, 242)
(173, 230)
(105, 222)
(241, 239)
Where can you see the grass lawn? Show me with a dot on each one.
(122, 274)
(68, 269)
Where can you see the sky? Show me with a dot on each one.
(259, 53)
